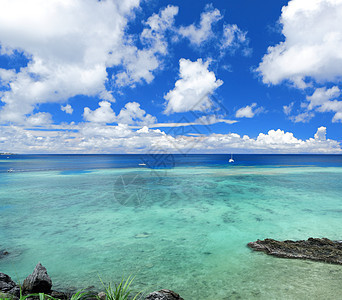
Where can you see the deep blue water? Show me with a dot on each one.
(75, 163)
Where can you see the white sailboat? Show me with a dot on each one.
(231, 160)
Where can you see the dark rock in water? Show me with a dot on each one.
(6, 283)
(315, 249)
(163, 295)
(3, 253)
(39, 281)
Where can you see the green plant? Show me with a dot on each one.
(41, 296)
(80, 295)
(121, 291)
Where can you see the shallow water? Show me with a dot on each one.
(184, 228)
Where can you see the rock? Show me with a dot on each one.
(315, 249)
(3, 253)
(59, 295)
(163, 295)
(142, 235)
(8, 296)
(38, 282)
(101, 296)
(15, 291)
(6, 283)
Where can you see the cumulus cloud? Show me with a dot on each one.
(320, 101)
(322, 96)
(98, 138)
(193, 90)
(228, 39)
(157, 25)
(70, 46)
(321, 134)
(324, 100)
(197, 34)
(103, 114)
(139, 64)
(67, 109)
(311, 50)
(249, 111)
(131, 114)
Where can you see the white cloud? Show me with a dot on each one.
(202, 121)
(213, 119)
(321, 133)
(39, 119)
(67, 109)
(157, 25)
(249, 111)
(324, 100)
(98, 138)
(6, 76)
(132, 114)
(70, 45)
(322, 96)
(288, 108)
(103, 114)
(140, 63)
(107, 95)
(193, 90)
(303, 117)
(234, 38)
(202, 32)
(312, 46)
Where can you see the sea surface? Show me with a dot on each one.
(180, 222)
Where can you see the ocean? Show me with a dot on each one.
(180, 222)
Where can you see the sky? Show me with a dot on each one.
(155, 76)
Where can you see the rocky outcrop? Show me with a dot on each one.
(8, 286)
(164, 295)
(315, 249)
(3, 253)
(38, 282)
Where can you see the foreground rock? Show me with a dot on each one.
(8, 286)
(38, 282)
(164, 295)
(314, 249)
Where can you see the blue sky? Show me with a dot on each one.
(88, 76)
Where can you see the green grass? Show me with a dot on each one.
(120, 291)
(80, 295)
(41, 296)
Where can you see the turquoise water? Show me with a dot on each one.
(184, 228)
